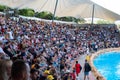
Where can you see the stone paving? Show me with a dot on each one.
(81, 60)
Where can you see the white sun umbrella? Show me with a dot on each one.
(75, 8)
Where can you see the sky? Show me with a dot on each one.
(113, 5)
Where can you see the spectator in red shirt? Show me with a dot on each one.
(77, 68)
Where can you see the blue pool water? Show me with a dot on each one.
(109, 65)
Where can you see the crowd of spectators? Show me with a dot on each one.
(51, 48)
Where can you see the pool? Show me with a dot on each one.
(108, 65)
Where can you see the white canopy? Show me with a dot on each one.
(76, 8)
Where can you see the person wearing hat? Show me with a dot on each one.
(49, 76)
(67, 75)
(44, 75)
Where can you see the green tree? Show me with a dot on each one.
(44, 15)
(2, 8)
(27, 12)
(72, 19)
(57, 18)
(81, 20)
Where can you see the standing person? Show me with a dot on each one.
(77, 68)
(88, 57)
(86, 69)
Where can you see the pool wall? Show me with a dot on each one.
(94, 55)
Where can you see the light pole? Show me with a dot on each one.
(93, 14)
(55, 11)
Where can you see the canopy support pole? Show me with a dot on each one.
(93, 14)
(55, 10)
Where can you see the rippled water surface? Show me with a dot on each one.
(109, 65)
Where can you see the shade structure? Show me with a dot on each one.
(75, 8)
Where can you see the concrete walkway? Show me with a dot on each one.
(81, 60)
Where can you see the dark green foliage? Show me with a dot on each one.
(44, 15)
(72, 19)
(27, 12)
(3, 8)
